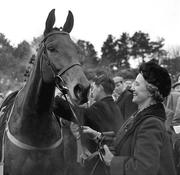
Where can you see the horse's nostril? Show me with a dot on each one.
(81, 93)
(78, 89)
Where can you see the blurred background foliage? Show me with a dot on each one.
(118, 57)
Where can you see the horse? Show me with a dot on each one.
(33, 140)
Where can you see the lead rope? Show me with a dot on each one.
(64, 91)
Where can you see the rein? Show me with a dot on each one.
(64, 91)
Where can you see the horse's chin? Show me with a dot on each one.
(81, 100)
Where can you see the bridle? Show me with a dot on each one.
(57, 74)
(59, 82)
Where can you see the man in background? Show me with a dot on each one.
(123, 98)
(119, 87)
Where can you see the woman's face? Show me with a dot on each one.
(140, 92)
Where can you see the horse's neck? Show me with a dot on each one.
(33, 106)
(38, 95)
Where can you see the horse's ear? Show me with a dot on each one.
(69, 23)
(50, 22)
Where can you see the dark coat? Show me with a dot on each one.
(127, 107)
(142, 145)
(102, 116)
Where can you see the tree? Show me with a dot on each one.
(88, 53)
(108, 50)
(36, 42)
(123, 48)
(5, 45)
(173, 66)
(23, 51)
(156, 50)
(13, 60)
(174, 52)
(143, 47)
(7, 59)
(140, 45)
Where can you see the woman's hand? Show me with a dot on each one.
(107, 156)
(91, 132)
(75, 130)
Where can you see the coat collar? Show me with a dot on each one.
(156, 110)
(109, 97)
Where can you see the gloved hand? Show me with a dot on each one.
(91, 132)
(107, 156)
(75, 130)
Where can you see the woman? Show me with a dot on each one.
(142, 146)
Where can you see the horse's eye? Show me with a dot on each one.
(52, 49)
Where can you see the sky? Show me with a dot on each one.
(93, 19)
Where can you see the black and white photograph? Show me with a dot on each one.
(90, 87)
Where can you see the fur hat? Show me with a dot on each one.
(157, 76)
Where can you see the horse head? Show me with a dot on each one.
(61, 59)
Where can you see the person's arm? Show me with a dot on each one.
(98, 136)
(92, 134)
(61, 108)
(146, 157)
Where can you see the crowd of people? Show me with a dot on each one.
(144, 117)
